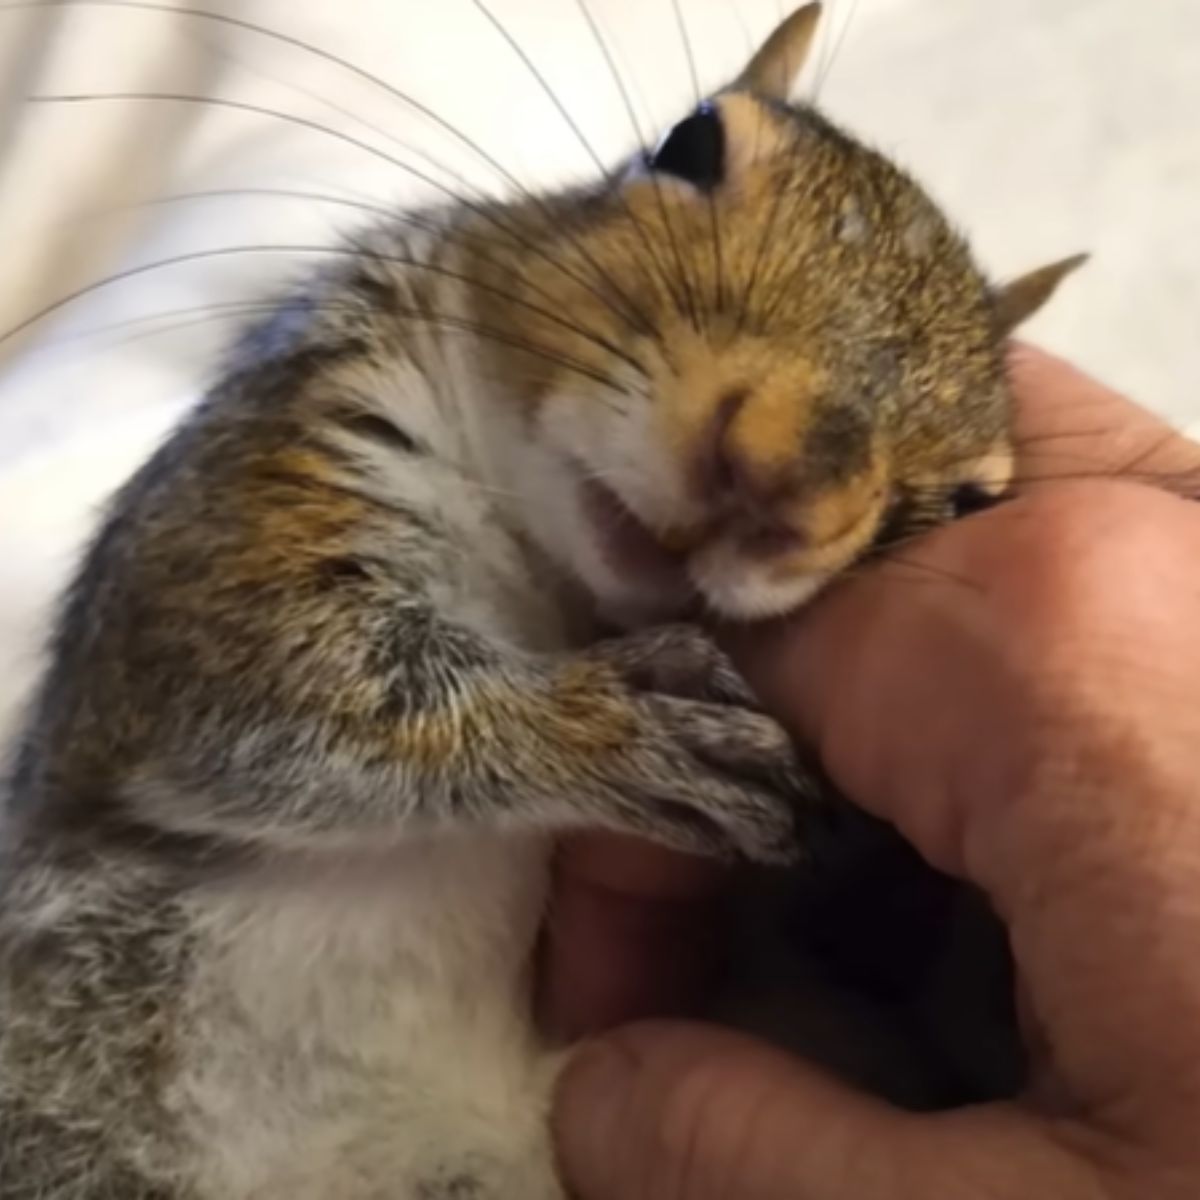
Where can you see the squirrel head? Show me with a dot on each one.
(745, 352)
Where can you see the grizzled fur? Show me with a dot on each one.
(306, 647)
(276, 839)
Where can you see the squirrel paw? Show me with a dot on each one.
(705, 771)
(677, 660)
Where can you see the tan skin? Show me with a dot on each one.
(1035, 730)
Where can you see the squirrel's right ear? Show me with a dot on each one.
(1018, 300)
(774, 70)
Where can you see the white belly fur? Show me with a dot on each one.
(358, 1027)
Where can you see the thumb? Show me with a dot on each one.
(688, 1112)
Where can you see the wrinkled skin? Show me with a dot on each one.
(1033, 731)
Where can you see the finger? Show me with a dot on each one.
(677, 1112)
(931, 702)
(1069, 426)
(634, 932)
(1032, 729)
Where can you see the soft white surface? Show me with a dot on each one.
(1045, 126)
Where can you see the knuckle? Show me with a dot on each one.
(704, 1136)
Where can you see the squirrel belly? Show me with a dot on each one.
(356, 1025)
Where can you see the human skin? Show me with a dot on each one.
(1021, 699)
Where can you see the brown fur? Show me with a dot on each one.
(325, 628)
(804, 313)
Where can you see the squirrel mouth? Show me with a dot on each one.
(629, 547)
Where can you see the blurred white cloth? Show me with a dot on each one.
(1044, 128)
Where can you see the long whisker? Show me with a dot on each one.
(776, 282)
(1186, 479)
(783, 276)
(364, 206)
(939, 573)
(1031, 447)
(789, 271)
(553, 315)
(396, 93)
(1155, 447)
(1059, 435)
(239, 309)
(688, 51)
(544, 84)
(328, 251)
(820, 50)
(768, 230)
(540, 79)
(180, 318)
(480, 210)
(400, 217)
(297, 43)
(693, 73)
(635, 125)
(835, 49)
(760, 256)
(371, 127)
(887, 552)
(690, 54)
(256, 110)
(454, 131)
(736, 13)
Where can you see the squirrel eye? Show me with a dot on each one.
(970, 498)
(694, 150)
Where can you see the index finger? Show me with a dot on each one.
(1069, 426)
(633, 932)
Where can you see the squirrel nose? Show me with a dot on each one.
(721, 474)
(778, 486)
(728, 480)
(724, 475)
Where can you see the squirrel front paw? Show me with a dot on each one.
(676, 660)
(704, 771)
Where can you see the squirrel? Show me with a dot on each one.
(421, 584)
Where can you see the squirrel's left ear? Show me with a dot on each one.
(775, 69)
(1017, 301)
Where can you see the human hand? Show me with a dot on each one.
(1034, 728)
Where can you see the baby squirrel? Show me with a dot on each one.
(330, 680)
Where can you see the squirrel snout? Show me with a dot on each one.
(770, 486)
(720, 473)
(730, 470)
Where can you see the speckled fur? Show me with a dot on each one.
(275, 842)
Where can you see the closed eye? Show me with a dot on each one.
(970, 498)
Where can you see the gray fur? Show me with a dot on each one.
(331, 677)
(236, 666)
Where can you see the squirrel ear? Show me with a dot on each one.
(1017, 301)
(773, 71)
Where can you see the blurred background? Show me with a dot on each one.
(137, 142)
